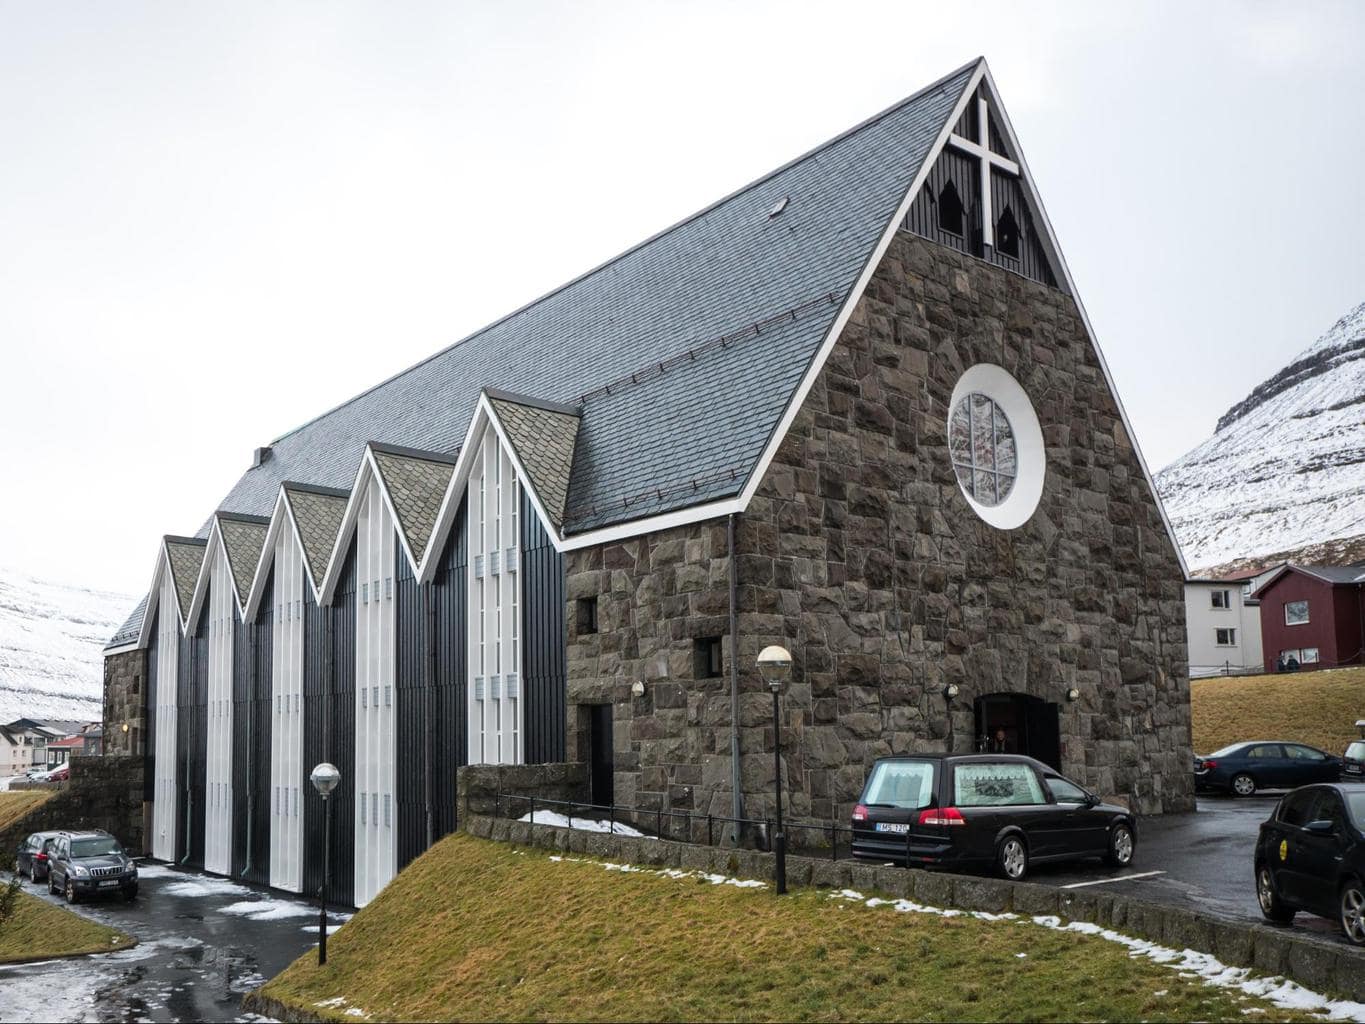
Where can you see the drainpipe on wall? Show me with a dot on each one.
(428, 680)
(738, 804)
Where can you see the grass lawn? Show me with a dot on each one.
(39, 929)
(14, 805)
(1319, 708)
(476, 930)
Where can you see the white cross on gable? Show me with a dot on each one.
(981, 149)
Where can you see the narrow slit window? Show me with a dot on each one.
(951, 215)
(1007, 234)
(708, 660)
(587, 615)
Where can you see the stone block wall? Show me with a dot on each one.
(860, 554)
(125, 696)
(103, 792)
(506, 789)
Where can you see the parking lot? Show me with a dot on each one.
(202, 943)
(1202, 861)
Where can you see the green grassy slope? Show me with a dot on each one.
(476, 930)
(1319, 708)
(38, 930)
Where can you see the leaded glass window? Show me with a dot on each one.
(983, 450)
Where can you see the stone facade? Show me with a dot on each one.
(103, 792)
(125, 703)
(860, 554)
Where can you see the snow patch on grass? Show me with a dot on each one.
(700, 876)
(582, 824)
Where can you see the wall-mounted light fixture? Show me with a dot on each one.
(950, 691)
(637, 688)
(1073, 694)
(125, 726)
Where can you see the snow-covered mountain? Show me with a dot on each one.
(1285, 468)
(51, 637)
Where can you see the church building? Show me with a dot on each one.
(855, 408)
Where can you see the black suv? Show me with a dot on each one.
(89, 864)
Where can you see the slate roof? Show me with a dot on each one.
(318, 513)
(1336, 574)
(683, 352)
(187, 557)
(243, 539)
(131, 628)
(416, 482)
(543, 437)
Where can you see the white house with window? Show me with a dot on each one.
(1223, 626)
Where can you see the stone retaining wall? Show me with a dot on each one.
(104, 792)
(1311, 960)
(506, 790)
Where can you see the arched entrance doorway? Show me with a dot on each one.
(1032, 726)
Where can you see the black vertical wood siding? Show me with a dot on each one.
(192, 728)
(149, 769)
(412, 710)
(450, 736)
(316, 729)
(256, 823)
(1006, 191)
(340, 743)
(543, 642)
(242, 666)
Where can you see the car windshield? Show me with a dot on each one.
(94, 847)
(908, 784)
(1356, 751)
(1226, 751)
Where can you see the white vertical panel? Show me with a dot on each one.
(164, 792)
(376, 809)
(286, 735)
(494, 497)
(218, 746)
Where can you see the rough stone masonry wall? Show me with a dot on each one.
(103, 792)
(861, 555)
(125, 677)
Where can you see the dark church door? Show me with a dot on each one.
(1015, 723)
(601, 764)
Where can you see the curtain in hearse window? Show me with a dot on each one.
(996, 785)
(907, 784)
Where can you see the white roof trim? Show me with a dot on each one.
(153, 596)
(201, 585)
(131, 645)
(281, 519)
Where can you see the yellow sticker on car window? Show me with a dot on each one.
(1284, 849)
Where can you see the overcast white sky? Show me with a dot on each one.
(218, 220)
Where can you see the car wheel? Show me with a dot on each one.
(1122, 845)
(71, 896)
(1353, 912)
(33, 873)
(130, 894)
(1011, 857)
(51, 888)
(1272, 907)
(1243, 785)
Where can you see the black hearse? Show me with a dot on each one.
(983, 811)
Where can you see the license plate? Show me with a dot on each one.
(891, 826)
(109, 884)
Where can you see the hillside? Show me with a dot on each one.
(1317, 708)
(476, 930)
(1285, 469)
(51, 637)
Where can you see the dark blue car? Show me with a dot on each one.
(1243, 768)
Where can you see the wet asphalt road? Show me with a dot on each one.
(202, 943)
(1204, 859)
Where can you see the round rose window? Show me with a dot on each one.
(982, 446)
(996, 446)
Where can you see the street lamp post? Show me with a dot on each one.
(775, 664)
(325, 778)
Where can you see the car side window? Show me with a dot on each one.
(1065, 792)
(1302, 753)
(1265, 750)
(1327, 807)
(999, 784)
(1294, 808)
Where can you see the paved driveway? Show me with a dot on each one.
(202, 943)
(1202, 861)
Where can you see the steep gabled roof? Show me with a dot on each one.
(317, 516)
(416, 483)
(542, 434)
(186, 555)
(243, 539)
(131, 628)
(683, 351)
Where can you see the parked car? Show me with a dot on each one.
(1243, 768)
(31, 858)
(89, 864)
(1310, 856)
(1353, 761)
(984, 811)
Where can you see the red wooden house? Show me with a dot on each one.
(1313, 617)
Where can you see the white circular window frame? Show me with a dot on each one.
(1030, 456)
